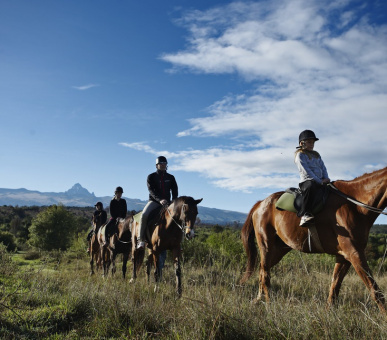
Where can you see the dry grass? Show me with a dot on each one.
(61, 301)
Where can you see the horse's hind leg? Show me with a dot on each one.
(341, 269)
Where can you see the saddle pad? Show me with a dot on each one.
(137, 217)
(286, 202)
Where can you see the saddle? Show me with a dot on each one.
(291, 200)
(153, 219)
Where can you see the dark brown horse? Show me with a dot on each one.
(119, 243)
(176, 221)
(342, 228)
(95, 254)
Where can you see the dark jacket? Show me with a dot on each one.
(103, 215)
(160, 185)
(118, 208)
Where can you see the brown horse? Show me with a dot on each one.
(176, 220)
(342, 228)
(95, 254)
(119, 243)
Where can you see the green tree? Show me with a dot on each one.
(8, 240)
(53, 228)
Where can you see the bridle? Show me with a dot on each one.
(183, 226)
(360, 204)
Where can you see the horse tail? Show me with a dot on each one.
(248, 239)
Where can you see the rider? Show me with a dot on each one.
(160, 186)
(98, 212)
(313, 173)
(118, 209)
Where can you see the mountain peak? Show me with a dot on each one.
(78, 190)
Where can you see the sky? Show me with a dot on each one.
(91, 92)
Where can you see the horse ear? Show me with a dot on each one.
(198, 201)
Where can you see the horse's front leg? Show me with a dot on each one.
(156, 266)
(341, 269)
(113, 255)
(125, 257)
(176, 253)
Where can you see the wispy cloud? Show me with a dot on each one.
(307, 70)
(85, 87)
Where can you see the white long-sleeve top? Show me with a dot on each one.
(310, 168)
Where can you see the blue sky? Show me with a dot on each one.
(91, 92)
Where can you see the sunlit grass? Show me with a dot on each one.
(58, 299)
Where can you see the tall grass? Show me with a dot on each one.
(57, 299)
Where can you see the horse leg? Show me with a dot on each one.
(125, 257)
(91, 262)
(148, 267)
(341, 269)
(272, 250)
(176, 259)
(359, 262)
(113, 255)
(156, 265)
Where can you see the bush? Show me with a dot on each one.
(53, 228)
(8, 240)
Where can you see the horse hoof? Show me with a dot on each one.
(131, 280)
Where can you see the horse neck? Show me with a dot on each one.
(369, 188)
(124, 228)
(172, 214)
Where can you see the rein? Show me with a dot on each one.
(360, 204)
(181, 227)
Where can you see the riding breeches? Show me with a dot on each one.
(309, 190)
(150, 206)
(111, 227)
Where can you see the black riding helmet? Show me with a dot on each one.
(98, 204)
(307, 134)
(161, 159)
(119, 189)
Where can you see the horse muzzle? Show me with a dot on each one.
(189, 234)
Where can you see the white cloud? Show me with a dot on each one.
(319, 73)
(85, 87)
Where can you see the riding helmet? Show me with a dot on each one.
(161, 159)
(119, 189)
(307, 134)
(98, 204)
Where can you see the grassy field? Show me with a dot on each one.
(54, 297)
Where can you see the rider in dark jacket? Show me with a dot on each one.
(118, 209)
(160, 186)
(98, 212)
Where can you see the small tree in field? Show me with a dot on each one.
(53, 228)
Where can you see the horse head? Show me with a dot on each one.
(184, 214)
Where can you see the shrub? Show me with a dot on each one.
(8, 240)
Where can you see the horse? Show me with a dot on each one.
(95, 254)
(342, 227)
(119, 243)
(176, 220)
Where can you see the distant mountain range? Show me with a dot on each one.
(78, 196)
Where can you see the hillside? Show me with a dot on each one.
(77, 196)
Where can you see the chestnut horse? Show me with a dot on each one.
(119, 243)
(95, 254)
(176, 220)
(342, 226)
